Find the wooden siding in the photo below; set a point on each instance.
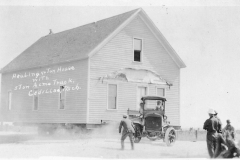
(98, 103)
(117, 54)
(22, 104)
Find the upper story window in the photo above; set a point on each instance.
(9, 100)
(62, 97)
(137, 50)
(112, 96)
(35, 99)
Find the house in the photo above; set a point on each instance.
(92, 73)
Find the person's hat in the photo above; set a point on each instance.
(124, 116)
(211, 111)
(228, 121)
(215, 112)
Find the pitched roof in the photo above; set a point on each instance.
(82, 42)
(68, 45)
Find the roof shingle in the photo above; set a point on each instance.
(68, 45)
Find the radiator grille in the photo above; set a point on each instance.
(153, 123)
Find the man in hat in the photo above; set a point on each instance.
(219, 122)
(211, 125)
(128, 131)
(159, 105)
(230, 129)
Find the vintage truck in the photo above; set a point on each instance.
(151, 122)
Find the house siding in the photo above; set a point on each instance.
(117, 54)
(48, 110)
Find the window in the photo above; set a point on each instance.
(10, 100)
(112, 96)
(62, 97)
(137, 50)
(142, 91)
(161, 92)
(35, 99)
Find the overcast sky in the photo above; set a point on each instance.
(206, 37)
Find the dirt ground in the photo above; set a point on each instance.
(22, 145)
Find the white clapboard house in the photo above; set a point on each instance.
(92, 74)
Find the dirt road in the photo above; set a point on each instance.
(30, 146)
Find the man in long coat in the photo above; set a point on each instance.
(211, 125)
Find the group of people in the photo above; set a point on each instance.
(159, 106)
(220, 142)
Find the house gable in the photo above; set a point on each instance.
(159, 36)
(118, 52)
(155, 31)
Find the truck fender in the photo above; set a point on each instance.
(165, 126)
(135, 122)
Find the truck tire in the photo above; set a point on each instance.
(170, 136)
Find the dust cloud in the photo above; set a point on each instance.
(110, 130)
(10, 133)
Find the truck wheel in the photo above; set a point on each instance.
(170, 136)
(137, 139)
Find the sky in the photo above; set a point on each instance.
(205, 34)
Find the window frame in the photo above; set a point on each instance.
(116, 98)
(9, 105)
(161, 88)
(147, 92)
(33, 100)
(141, 54)
(59, 95)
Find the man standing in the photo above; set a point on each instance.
(230, 129)
(219, 122)
(211, 125)
(128, 131)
